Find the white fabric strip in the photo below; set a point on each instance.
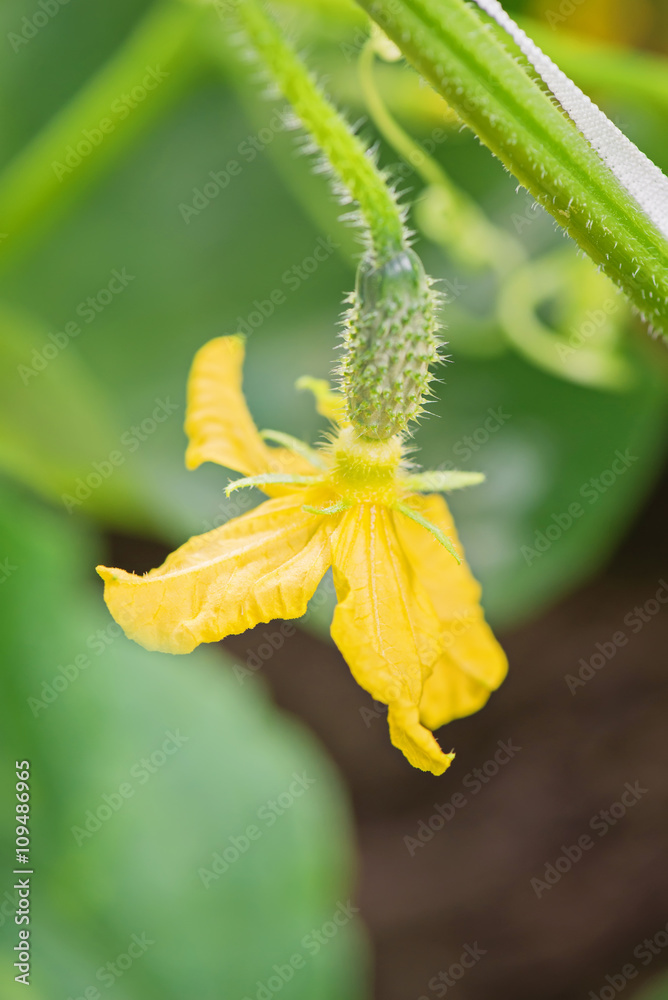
(635, 171)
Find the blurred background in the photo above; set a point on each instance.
(235, 823)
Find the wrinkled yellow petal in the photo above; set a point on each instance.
(219, 427)
(386, 627)
(473, 663)
(263, 565)
(329, 402)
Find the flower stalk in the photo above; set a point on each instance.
(346, 155)
(390, 332)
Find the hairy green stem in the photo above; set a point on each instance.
(347, 155)
(610, 68)
(479, 74)
(445, 213)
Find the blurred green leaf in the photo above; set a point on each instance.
(543, 444)
(658, 990)
(198, 758)
(110, 110)
(57, 428)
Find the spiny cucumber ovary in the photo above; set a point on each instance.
(391, 340)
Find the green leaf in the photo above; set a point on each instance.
(57, 428)
(147, 773)
(658, 988)
(544, 445)
(110, 111)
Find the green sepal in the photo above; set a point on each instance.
(443, 481)
(333, 508)
(436, 531)
(295, 445)
(270, 478)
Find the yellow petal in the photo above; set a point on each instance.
(472, 664)
(386, 627)
(263, 565)
(329, 402)
(220, 428)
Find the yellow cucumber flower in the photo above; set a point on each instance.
(408, 619)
